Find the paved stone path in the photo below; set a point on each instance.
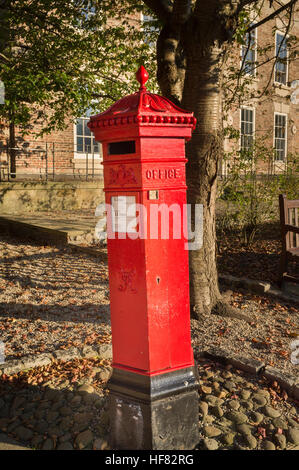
(65, 227)
(237, 411)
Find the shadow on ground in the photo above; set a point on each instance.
(48, 418)
(257, 260)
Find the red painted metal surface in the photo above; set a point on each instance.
(149, 279)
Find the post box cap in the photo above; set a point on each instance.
(142, 109)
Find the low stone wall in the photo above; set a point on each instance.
(21, 197)
(14, 366)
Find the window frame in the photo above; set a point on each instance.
(287, 60)
(77, 154)
(250, 108)
(255, 55)
(276, 160)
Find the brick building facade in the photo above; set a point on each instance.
(274, 118)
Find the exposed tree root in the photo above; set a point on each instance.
(197, 312)
(224, 309)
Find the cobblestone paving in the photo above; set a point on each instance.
(237, 411)
(240, 412)
(57, 407)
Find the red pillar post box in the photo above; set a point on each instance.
(153, 388)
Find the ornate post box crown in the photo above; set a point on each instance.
(149, 113)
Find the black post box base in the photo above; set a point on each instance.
(159, 412)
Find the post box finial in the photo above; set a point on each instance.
(142, 77)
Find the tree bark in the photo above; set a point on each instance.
(202, 94)
(190, 69)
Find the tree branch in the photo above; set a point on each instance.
(273, 15)
(4, 57)
(244, 3)
(100, 95)
(161, 8)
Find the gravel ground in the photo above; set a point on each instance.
(54, 298)
(267, 338)
(50, 299)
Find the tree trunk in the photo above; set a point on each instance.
(200, 83)
(191, 52)
(202, 94)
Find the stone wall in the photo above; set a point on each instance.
(18, 198)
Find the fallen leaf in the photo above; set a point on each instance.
(262, 432)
